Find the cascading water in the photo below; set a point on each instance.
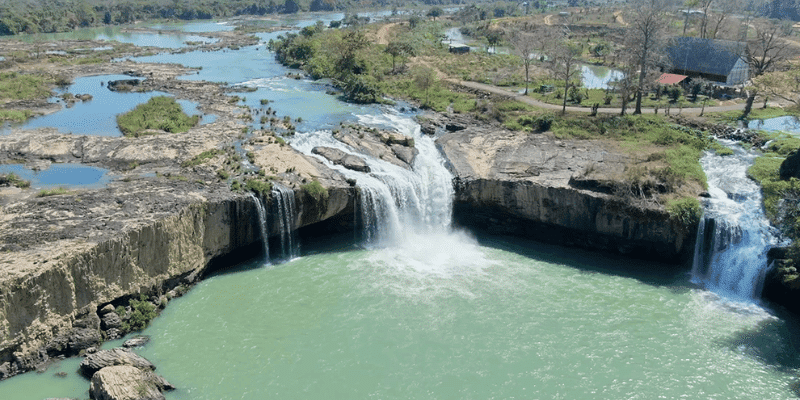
(285, 212)
(262, 219)
(395, 202)
(734, 236)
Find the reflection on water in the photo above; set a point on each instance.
(58, 175)
(786, 123)
(193, 27)
(97, 116)
(173, 40)
(599, 77)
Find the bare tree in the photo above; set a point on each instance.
(645, 40)
(705, 6)
(783, 84)
(564, 60)
(688, 4)
(769, 48)
(722, 14)
(524, 45)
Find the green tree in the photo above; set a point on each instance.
(399, 49)
(435, 12)
(425, 78)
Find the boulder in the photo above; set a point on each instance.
(90, 321)
(137, 341)
(123, 85)
(106, 309)
(83, 338)
(113, 333)
(111, 321)
(790, 167)
(339, 157)
(109, 358)
(407, 154)
(355, 163)
(124, 382)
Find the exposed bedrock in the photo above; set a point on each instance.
(539, 187)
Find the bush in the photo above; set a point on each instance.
(52, 192)
(142, 312)
(201, 158)
(685, 212)
(538, 123)
(259, 186)
(13, 180)
(159, 113)
(315, 190)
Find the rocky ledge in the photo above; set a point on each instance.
(544, 188)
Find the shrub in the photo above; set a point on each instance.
(259, 186)
(315, 190)
(201, 158)
(142, 312)
(159, 113)
(52, 192)
(685, 212)
(14, 180)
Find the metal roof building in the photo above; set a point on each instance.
(716, 60)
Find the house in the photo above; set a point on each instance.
(721, 61)
(458, 48)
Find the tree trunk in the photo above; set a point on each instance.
(564, 106)
(642, 73)
(527, 68)
(748, 106)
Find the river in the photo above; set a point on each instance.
(422, 311)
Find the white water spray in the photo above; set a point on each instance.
(262, 220)
(734, 236)
(285, 212)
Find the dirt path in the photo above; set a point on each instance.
(618, 17)
(383, 33)
(610, 110)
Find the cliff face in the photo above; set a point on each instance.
(48, 293)
(540, 187)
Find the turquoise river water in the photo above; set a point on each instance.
(455, 320)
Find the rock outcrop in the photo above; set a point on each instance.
(790, 167)
(125, 382)
(109, 358)
(339, 157)
(528, 185)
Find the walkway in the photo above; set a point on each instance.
(611, 110)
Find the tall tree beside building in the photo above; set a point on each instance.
(645, 40)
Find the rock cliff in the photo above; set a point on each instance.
(538, 186)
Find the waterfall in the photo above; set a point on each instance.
(262, 219)
(734, 236)
(285, 212)
(395, 202)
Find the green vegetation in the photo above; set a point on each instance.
(316, 191)
(201, 158)
(13, 180)
(685, 212)
(258, 186)
(142, 312)
(159, 113)
(19, 86)
(756, 113)
(15, 115)
(52, 192)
